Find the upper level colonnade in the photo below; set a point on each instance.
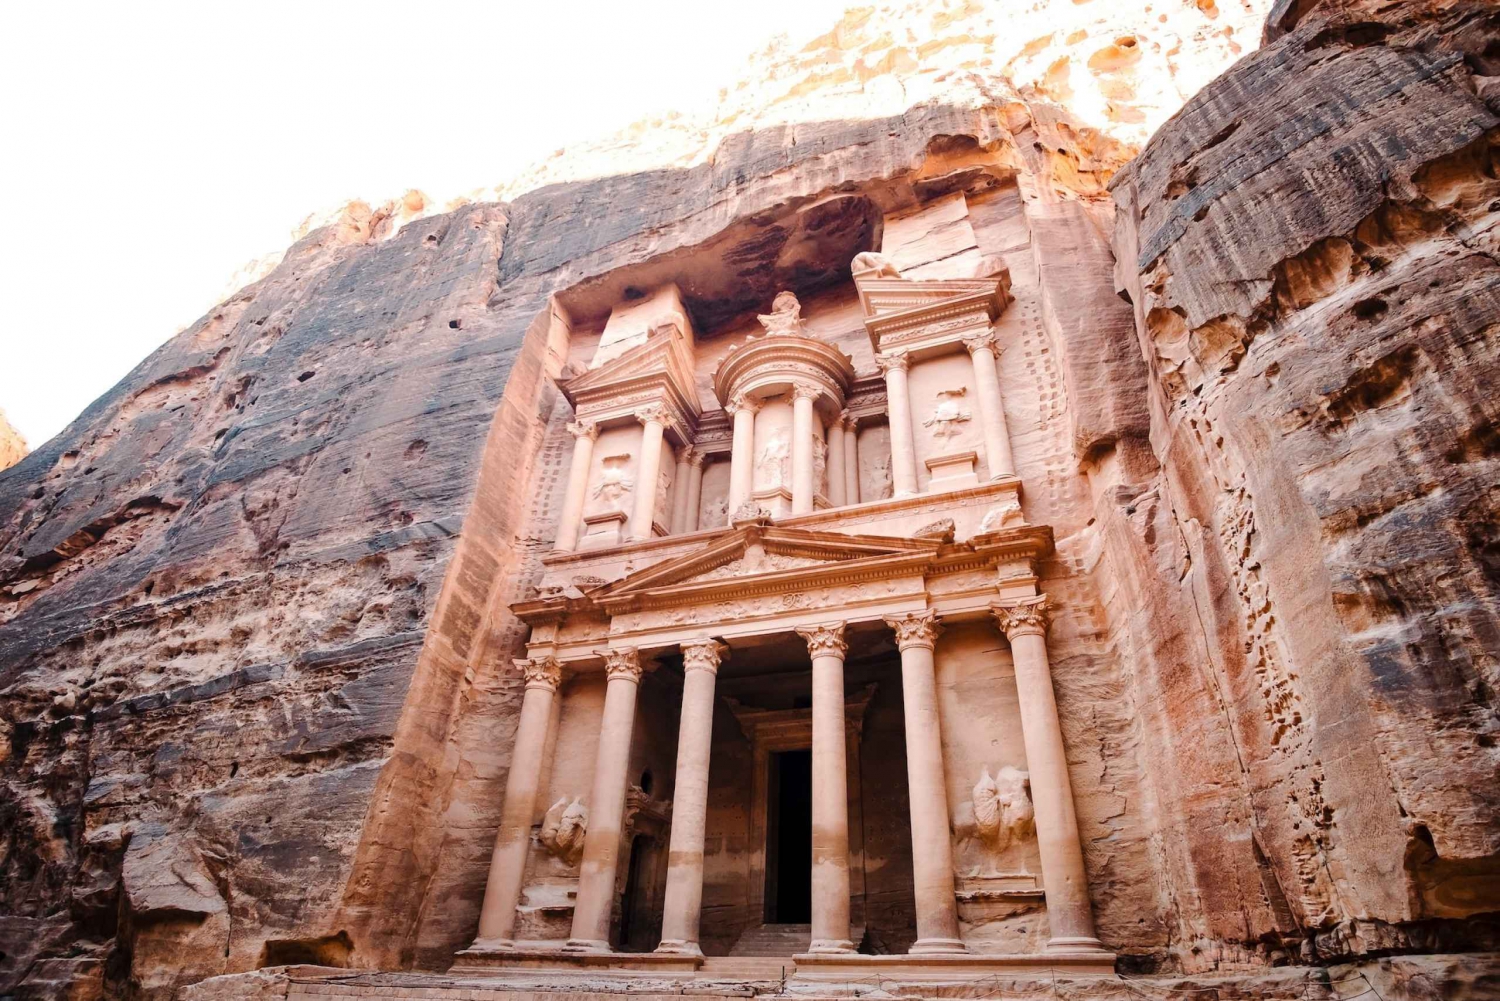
(791, 411)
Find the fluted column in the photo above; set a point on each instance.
(653, 424)
(931, 847)
(694, 490)
(502, 891)
(680, 491)
(601, 844)
(684, 895)
(585, 433)
(1063, 876)
(851, 458)
(802, 448)
(742, 453)
(983, 352)
(836, 462)
(898, 406)
(830, 791)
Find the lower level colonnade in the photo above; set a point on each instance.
(1022, 622)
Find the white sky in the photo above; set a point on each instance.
(152, 149)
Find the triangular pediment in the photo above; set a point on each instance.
(662, 360)
(761, 554)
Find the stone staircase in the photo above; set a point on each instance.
(746, 968)
(779, 941)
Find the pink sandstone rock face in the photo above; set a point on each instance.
(12, 445)
(254, 602)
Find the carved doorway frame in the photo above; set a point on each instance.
(771, 731)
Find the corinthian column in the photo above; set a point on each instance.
(1063, 877)
(601, 844)
(680, 491)
(830, 791)
(742, 452)
(653, 424)
(851, 458)
(497, 918)
(684, 895)
(898, 407)
(802, 448)
(585, 433)
(836, 462)
(694, 490)
(991, 408)
(931, 848)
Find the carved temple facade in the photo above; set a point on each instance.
(787, 673)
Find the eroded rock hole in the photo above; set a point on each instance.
(306, 375)
(1369, 309)
(455, 324)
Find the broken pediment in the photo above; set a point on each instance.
(906, 315)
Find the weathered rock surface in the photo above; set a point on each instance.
(253, 601)
(1312, 589)
(12, 445)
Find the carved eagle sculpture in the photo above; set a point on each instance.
(563, 829)
(1002, 809)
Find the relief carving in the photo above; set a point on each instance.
(1006, 515)
(773, 464)
(871, 261)
(1002, 808)
(615, 482)
(563, 829)
(948, 413)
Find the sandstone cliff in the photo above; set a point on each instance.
(12, 445)
(253, 601)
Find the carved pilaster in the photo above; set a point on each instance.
(541, 672)
(622, 663)
(703, 655)
(826, 640)
(1026, 618)
(915, 629)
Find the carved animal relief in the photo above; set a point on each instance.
(563, 829)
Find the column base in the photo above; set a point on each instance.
(677, 947)
(586, 945)
(937, 946)
(1074, 943)
(493, 945)
(830, 947)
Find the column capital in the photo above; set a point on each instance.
(915, 629)
(848, 421)
(540, 672)
(742, 402)
(584, 429)
(622, 663)
(826, 640)
(806, 391)
(703, 655)
(696, 457)
(1028, 617)
(898, 361)
(652, 412)
(981, 341)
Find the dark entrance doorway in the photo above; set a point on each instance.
(789, 838)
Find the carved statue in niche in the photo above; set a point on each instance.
(773, 465)
(716, 512)
(820, 459)
(563, 829)
(615, 482)
(663, 488)
(1002, 808)
(948, 413)
(785, 317)
(882, 470)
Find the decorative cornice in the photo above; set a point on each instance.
(703, 655)
(915, 629)
(541, 672)
(622, 663)
(1027, 617)
(584, 429)
(896, 360)
(826, 640)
